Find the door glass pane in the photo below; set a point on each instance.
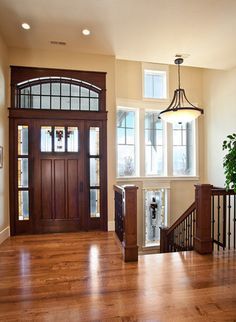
(45, 89)
(23, 180)
(84, 92)
(56, 89)
(65, 89)
(94, 203)
(59, 139)
(84, 104)
(56, 102)
(25, 101)
(93, 104)
(35, 101)
(75, 103)
(35, 89)
(72, 139)
(46, 139)
(65, 103)
(22, 139)
(45, 102)
(94, 141)
(74, 90)
(94, 172)
(23, 205)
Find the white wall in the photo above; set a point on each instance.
(219, 96)
(4, 185)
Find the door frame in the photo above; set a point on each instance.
(18, 115)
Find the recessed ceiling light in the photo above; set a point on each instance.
(25, 26)
(86, 32)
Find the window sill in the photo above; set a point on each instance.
(158, 178)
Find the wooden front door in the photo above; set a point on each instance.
(59, 177)
(58, 151)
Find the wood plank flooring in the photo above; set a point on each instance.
(81, 277)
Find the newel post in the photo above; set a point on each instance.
(163, 240)
(130, 248)
(202, 240)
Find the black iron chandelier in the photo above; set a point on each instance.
(180, 109)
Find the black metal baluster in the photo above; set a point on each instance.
(213, 218)
(229, 219)
(234, 218)
(218, 223)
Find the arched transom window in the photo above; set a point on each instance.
(57, 93)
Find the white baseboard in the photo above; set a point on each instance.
(111, 225)
(4, 234)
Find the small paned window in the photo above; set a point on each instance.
(58, 93)
(59, 139)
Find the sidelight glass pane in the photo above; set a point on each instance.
(22, 140)
(23, 178)
(72, 139)
(94, 203)
(46, 139)
(94, 172)
(94, 141)
(23, 205)
(59, 139)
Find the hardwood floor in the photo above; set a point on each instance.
(81, 277)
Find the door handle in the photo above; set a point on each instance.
(81, 186)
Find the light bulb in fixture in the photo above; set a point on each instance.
(86, 32)
(25, 26)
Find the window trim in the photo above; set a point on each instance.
(155, 68)
(141, 108)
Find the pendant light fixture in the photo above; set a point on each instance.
(180, 109)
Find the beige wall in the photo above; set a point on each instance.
(4, 186)
(220, 101)
(73, 60)
(129, 87)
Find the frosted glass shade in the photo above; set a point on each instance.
(180, 115)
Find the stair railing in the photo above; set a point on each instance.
(126, 220)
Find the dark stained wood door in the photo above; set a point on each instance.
(59, 178)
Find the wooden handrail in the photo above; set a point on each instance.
(127, 217)
(168, 235)
(182, 218)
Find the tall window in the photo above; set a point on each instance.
(164, 150)
(183, 149)
(154, 150)
(126, 142)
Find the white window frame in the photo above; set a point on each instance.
(141, 107)
(136, 142)
(155, 68)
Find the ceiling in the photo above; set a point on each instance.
(144, 30)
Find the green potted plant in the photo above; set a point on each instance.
(229, 162)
